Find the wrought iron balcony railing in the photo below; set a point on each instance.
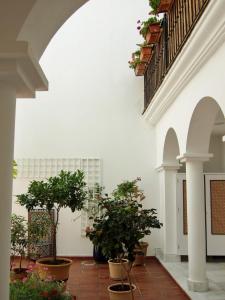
(177, 26)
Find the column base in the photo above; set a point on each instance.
(198, 286)
(166, 257)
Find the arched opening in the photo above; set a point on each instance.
(171, 147)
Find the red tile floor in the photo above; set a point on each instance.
(89, 281)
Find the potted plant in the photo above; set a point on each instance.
(136, 64)
(19, 242)
(95, 195)
(32, 287)
(65, 190)
(159, 6)
(150, 30)
(119, 229)
(22, 236)
(146, 52)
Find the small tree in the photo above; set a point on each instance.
(19, 238)
(123, 223)
(65, 190)
(23, 235)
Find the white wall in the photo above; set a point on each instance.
(93, 107)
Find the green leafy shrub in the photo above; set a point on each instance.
(33, 288)
(65, 190)
(123, 222)
(145, 25)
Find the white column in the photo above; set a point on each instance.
(197, 279)
(20, 76)
(7, 122)
(168, 211)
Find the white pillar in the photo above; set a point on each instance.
(197, 279)
(7, 121)
(168, 210)
(20, 76)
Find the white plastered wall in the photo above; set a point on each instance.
(93, 107)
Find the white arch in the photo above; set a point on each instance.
(34, 21)
(201, 125)
(171, 147)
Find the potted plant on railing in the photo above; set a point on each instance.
(118, 230)
(150, 30)
(65, 190)
(136, 64)
(159, 6)
(146, 52)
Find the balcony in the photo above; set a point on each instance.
(177, 25)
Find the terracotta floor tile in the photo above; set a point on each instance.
(89, 281)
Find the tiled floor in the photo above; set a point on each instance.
(89, 281)
(215, 274)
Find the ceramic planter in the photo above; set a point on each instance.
(117, 270)
(98, 256)
(116, 292)
(146, 54)
(140, 254)
(140, 69)
(153, 34)
(58, 271)
(164, 6)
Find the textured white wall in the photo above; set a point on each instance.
(93, 107)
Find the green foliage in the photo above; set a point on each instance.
(95, 195)
(65, 190)
(154, 5)
(36, 289)
(19, 234)
(135, 59)
(145, 25)
(123, 222)
(23, 235)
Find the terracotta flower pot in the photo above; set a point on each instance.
(117, 270)
(146, 54)
(153, 34)
(140, 254)
(59, 271)
(116, 291)
(164, 6)
(140, 69)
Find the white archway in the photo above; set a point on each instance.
(168, 205)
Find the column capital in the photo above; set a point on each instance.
(168, 167)
(194, 157)
(18, 67)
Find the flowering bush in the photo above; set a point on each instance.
(33, 288)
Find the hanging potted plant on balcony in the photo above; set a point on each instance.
(150, 30)
(146, 52)
(159, 6)
(65, 190)
(136, 64)
(118, 230)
